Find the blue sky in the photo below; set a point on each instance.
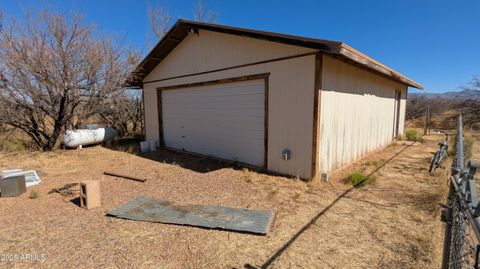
(435, 42)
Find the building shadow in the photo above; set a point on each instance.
(199, 164)
(75, 201)
(195, 162)
(312, 221)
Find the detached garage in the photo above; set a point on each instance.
(292, 105)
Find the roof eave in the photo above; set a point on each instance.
(139, 71)
(356, 56)
(180, 29)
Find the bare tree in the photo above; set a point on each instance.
(54, 73)
(416, 107)
(124, 111)
(202, 13)
(135, 112)
(1, 20)
(159, 19)
(470, 108)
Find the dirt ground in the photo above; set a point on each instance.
(391, 223)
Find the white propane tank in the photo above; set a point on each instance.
(82, 137)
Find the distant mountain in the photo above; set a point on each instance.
(460, 95)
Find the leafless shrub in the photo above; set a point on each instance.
(417, 106)
(202, 13)
(55, 73)
(466, 102)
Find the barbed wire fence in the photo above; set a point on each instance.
(462, 212)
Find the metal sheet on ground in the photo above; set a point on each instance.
(31, 176)
(145, 208)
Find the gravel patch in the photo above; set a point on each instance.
(392, 222)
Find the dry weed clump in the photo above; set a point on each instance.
(248, 176)
(310, 188)
(297, 196)
(273, 194)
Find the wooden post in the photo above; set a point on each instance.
(429, 113)
(426, 127)
(429, 118)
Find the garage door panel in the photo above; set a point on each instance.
(235, 88)
(212, 107)
(225, 120)
(195, 133)
(252, 102)
(211, 92)
(204, 137)
(227, 151)
(220, 147)
(209, 95)
(214, 114)
(243, 123)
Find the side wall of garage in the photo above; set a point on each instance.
(357, 112)
(290, 87)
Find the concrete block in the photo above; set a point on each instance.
(90, 196)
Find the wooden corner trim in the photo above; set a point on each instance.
(214, 82)
(316, 113)
(161, 142)
(265, 128)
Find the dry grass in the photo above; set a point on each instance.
(392, 223)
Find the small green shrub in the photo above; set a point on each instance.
(358, 179)
(34, 194)
(399, 137)
(11, 145)
(411, 135)
(130, 150)
(467, 146)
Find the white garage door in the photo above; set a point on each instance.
(222, 120)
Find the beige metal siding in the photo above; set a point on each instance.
(403, 106)
(212, 51)
(356, 113)
(223, 120)
(291, 84)
(151, 112)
